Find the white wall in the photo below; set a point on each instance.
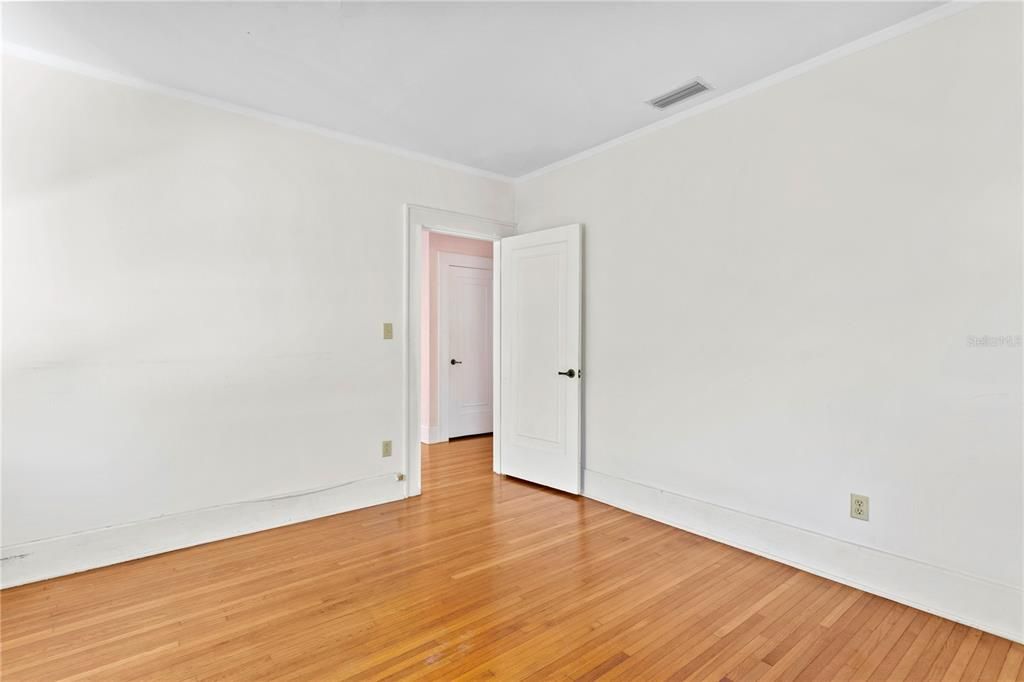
(779, 295)
(192, 305)
(433, 244)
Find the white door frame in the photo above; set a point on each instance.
(416, 219)
(441, 354)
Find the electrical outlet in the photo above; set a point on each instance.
(389, 332)
(385, 449)
(859, 507)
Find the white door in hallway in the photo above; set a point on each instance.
(466, 330)
(541, 311)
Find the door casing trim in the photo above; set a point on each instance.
(416, 219)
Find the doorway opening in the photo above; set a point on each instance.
(535, 345)
(456, 348)
(467, 241)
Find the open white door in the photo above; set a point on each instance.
(541, 304)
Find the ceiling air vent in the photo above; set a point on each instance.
(678, 95)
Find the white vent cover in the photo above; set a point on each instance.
(679, 94)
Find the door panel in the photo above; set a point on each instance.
(540, 336)
(469, 329)
(540, 394)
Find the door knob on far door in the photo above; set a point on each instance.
(456, 362)
(571, 374)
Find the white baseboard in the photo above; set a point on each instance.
(431, 434)
(974, 601)
(33, 561)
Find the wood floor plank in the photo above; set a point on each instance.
(963, 655)
(1012, 664)
(979, 659)
(482, 576)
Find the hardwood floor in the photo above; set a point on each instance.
(481, 576)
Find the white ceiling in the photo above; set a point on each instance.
(503, 87)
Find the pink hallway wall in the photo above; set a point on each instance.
(433, 243)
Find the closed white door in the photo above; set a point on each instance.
(466, 328)
(541, 310)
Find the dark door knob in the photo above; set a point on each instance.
(456, 362)
(571, 373)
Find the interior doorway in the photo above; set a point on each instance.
(536, 347)
(457, 319)
(425, 224)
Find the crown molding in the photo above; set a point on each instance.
(915, 22)
(943, 11)
(83, 69)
